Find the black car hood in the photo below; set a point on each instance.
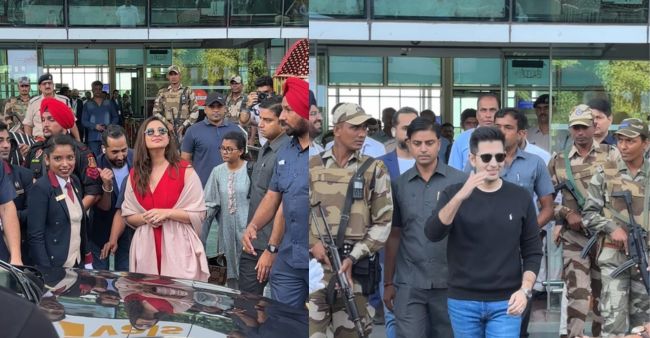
(83, 303)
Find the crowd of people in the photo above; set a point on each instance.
(74, 191)
(462, 227)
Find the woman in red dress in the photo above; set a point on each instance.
(164, 202)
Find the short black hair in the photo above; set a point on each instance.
(422, 124)
(264, 81)
(487, 95)
(522, 120)
(403, 110)
(59, 140)
(113, 131)
(3, 126)
(447, 124)
(97, 83)
(602, 105)
(467, 113)
(240, 140)
(429, 114)
(274, 104)
(485, 134)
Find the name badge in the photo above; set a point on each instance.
(60, 198)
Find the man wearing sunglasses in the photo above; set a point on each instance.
(574, 167)
(493, 247)
(16, 107)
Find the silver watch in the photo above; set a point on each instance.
(528, 292)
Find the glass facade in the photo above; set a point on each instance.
(154, 13)
(448, 85)
(116, 13)
(559, 11)
(582, 11)
(49, 13)
(138, 72)
(492, 10)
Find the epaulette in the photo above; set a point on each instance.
(35, 98)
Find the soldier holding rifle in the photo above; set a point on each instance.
(616, 190)
(355, 193)
(571, 170)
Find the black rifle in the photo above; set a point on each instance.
(335, 259)
(636, 242)
(593, 238)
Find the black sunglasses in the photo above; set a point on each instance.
(486, 158)
(161, 131)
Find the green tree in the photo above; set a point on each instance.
(628, 83)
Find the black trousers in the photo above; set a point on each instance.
(248, 275)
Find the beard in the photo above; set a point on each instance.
(300, 130)
(402, 145)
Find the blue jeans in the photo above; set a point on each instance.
(482, 319)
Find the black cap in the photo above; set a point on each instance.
(45, 77)
(215, 98)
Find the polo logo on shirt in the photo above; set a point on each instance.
(281, 162)
(510, 216)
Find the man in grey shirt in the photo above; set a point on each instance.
(415, 275)
(254, 269)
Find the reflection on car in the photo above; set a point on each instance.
(84, 303)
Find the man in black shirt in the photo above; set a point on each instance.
(492, 229)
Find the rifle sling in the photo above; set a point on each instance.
(347, 206)
(580, 199)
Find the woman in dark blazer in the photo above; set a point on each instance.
(56, 219)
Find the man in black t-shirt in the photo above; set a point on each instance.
(491, 226)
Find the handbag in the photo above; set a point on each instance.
(218, 266)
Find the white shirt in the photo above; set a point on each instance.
(371, 147)
(127, 15)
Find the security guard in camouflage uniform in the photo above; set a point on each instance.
(57, 118)
(574, 167)
(369, 223)
(16, 107)
(176, 104)
(624, 299)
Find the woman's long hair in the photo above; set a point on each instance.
(142, 159)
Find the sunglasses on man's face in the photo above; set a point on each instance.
(161, 131)
(486, 158)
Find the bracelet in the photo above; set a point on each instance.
(106, 190)
(254, 226)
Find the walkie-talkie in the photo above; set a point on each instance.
(357, 187)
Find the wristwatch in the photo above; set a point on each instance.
(528, 292)
(272, 248)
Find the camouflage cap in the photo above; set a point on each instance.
(351, 113)
(173, 68)
(632, 128)
(23, 81)
(235, 79)
(581, 115)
